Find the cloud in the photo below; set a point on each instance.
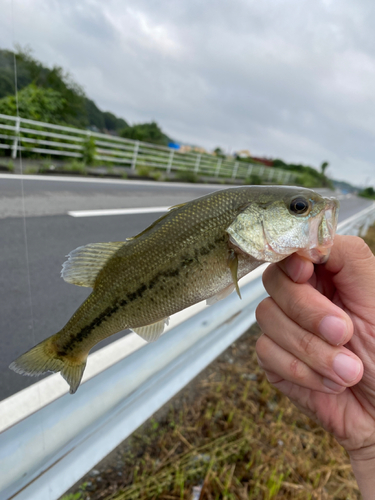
(286, 79)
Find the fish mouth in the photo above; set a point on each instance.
(322, 231)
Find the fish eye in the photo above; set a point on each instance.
(299, 206)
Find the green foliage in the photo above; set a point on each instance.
(10, 166)
(73, 496)
(35, 103)
(368, 192)
(147, 132)
(94, 115)
(187, 176)
(324, 166)
(308, 176)
(143, 170)
(219, 152)
(253, 179)
(74, 108)
(76, 166)
(111, 122)
(89, 151)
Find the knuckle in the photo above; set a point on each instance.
(296, 369)
(307, 344)
(297, 306)
(261, 347)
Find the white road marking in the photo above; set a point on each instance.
(117, 211)
(61, 178)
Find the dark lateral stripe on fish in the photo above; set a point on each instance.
(85, 332)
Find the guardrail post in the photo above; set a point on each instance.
(196, 168)
(135, 155)
(15, 143)
(218, 166)
(235, 168)
(170, 161)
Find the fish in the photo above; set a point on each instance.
(197, 251)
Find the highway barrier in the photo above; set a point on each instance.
(48, 140)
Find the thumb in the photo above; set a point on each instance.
(353, 265)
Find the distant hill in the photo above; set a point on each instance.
(68, 102)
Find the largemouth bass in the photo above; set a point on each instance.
(198, 250)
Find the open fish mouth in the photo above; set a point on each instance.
(322, 231)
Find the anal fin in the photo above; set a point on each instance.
(152, 332)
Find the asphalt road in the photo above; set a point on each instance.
(35, 304)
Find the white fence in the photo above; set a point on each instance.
(45, 139)
(50, 439)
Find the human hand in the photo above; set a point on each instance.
(318, 344)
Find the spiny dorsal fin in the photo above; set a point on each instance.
(152, 332)
(175, 207)
(84, 263)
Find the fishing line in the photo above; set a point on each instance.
(17, 145)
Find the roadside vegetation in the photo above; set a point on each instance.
(51, 95)
(227, 435)
(368, 192)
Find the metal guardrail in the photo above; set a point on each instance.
(54, 140)
(50, 439)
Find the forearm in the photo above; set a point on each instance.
(364, 471)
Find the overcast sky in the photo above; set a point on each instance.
(293, 79)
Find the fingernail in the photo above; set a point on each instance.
(346, 367)
(332, 385)
(333, 329)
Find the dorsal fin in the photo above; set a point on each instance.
(84, 263)
(175, 207)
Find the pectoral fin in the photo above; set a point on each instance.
(152, 332)
(233, 266)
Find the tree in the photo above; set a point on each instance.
(324, 167)
(76, 109)
(219, 152)
(147, 132)
(35, 103)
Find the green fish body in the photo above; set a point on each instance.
(198, 250)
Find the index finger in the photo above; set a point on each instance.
(307, 307)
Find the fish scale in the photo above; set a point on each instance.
(198, 250)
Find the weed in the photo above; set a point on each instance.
(187, 176)
(76, 166)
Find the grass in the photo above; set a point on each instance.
(239, 438)
(228, 435)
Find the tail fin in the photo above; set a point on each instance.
(43, 358)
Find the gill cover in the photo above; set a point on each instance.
(269, 233)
